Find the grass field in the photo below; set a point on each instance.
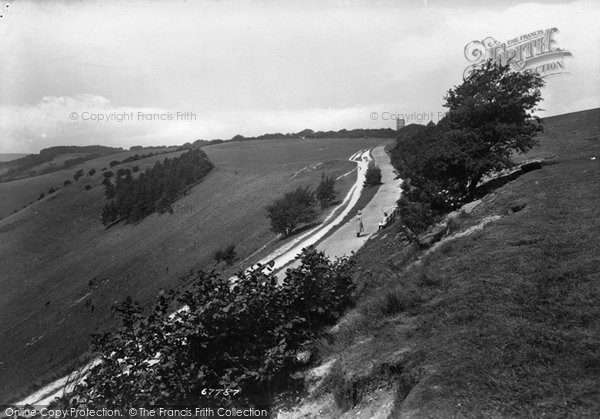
(10, 156)
(62, 271)
(16, 194)
(499, 323)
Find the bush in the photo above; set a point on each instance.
(226, 254)
(91, 172)
(415, 217)
(114, 163)
(292, 209)
(78, 174)
(135, 169)
(325, 192)
(51, 190)
(373, 175)
(41, 196)
(123, 173)
(107, 174)
(131, 158)
(87, 187)
(66, 183)
(109, 190)
(241, 335)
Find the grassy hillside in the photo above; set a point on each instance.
(10, 156)
(51, 159)
(501, 322)
(16, 194)
(62, 271)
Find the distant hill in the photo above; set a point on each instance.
(4, 157)
(35, 164)
(307, 133)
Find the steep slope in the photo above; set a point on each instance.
(499, 321)
(61, 272)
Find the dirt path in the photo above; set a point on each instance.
(286, 254)
(344, 241)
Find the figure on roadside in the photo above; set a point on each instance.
(383, 221)
(359, 224)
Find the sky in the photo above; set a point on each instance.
(123, 73)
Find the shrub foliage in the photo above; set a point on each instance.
(241, 334)
(373, 175)
(325, 192)
(294, 208)
(226, 254)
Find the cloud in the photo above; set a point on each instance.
(258, 67)
(82, 120)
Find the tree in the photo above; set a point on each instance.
(51, 190)
(226, 254)
(113, 163)
(292, 209)
(109, 214)
(91, 172)
(373, 175)
(66, 182)
(87, 187)
(325, 192)
(164, 204)
(490, 117)
(109, 189)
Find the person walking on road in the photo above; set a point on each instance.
(359, 224)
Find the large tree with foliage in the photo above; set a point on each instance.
(490, 117)
(291, 210)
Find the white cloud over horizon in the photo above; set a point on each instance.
(257, 67)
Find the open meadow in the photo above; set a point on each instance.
(62, 271)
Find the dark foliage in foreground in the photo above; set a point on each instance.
(155, 189)
(237, 334)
